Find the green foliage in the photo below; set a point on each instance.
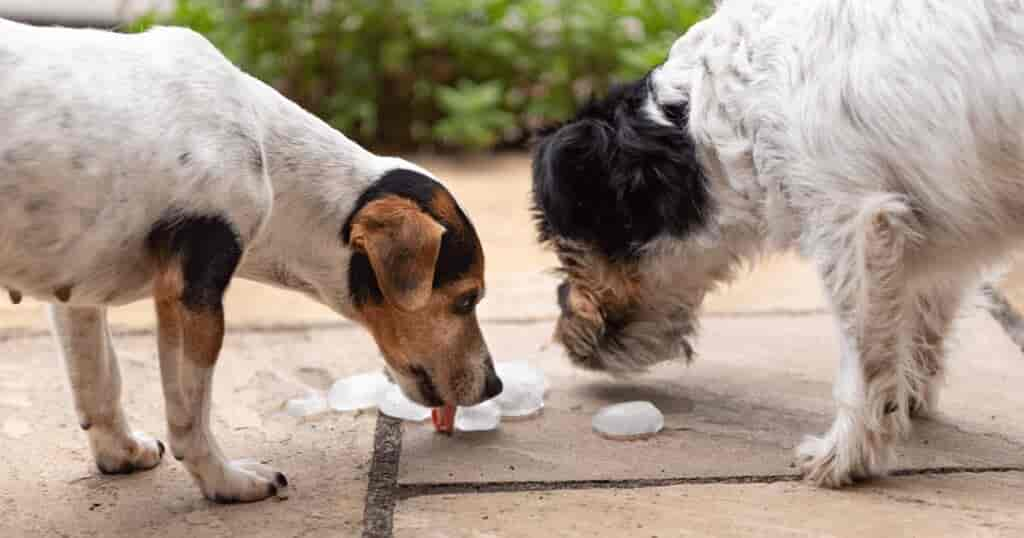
(467, 74)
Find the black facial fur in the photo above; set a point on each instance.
(614, 178)
(458, 245)
(208, 249)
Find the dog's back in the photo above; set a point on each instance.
(919, 97)
(104, 134)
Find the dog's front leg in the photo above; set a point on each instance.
(190, 318)
(84, 342)
(863, 266)
(933, 314)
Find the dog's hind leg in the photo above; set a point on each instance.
(198, 258)
(863, 266)
(84, 342)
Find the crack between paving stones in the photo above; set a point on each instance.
(409, 491)
(382, 486)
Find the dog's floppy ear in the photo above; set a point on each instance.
(402, 243)
(617, 177)
(571, 176)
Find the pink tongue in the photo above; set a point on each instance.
(444, 418)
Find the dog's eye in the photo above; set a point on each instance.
(466, 302)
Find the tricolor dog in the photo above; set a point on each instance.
(148, 165)
(883, 139)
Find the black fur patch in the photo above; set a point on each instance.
(615, 179)
(208, 249)
(459, 244)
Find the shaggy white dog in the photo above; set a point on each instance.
(881, 138)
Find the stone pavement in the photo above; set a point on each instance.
(722, 467)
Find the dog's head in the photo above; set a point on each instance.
(615, 191)
(416, 275)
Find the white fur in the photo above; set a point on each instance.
(884, 139)
(104, 134)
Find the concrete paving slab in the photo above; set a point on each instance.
(759, 385)
(981, 505)
(49, 487)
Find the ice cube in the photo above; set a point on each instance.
(523, 395)
(478, 418)
(395, 404)
(521, 373)
(361, 391)
(519, 400)
(629, 420)
(314, 403)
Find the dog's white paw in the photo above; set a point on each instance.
(120, 454)
(836, 461)
(241, 481)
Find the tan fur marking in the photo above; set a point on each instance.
(200, 332)
(432, 337)
(402, 243)
(204, 336)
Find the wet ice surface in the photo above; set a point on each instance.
(521, 373)
(525, 386)
(478, 418)
(522, 398)
(395, 404)
(363, 391)
(629, 420)
(314, 403)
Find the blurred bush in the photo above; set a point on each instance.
(402, 75)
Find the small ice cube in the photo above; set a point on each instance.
(313, 404)
(395, 404)
(521, 373)
(519, 400)
(478, 418)
(630, 420)
(361, 391)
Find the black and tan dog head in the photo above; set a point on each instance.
(610, 187)
(416, 276)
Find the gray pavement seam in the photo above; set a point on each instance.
(408, 491)
(382, 486)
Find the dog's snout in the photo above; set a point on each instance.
(563, 298)
(427, 388)
(492, 385)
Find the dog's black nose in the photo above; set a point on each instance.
(492, 386)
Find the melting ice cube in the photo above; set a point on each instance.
(523, 395)
(361, 391)
(395, 404)
(629, 420)
(478, 418)
(521, 373)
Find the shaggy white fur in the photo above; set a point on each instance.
(884, 140)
